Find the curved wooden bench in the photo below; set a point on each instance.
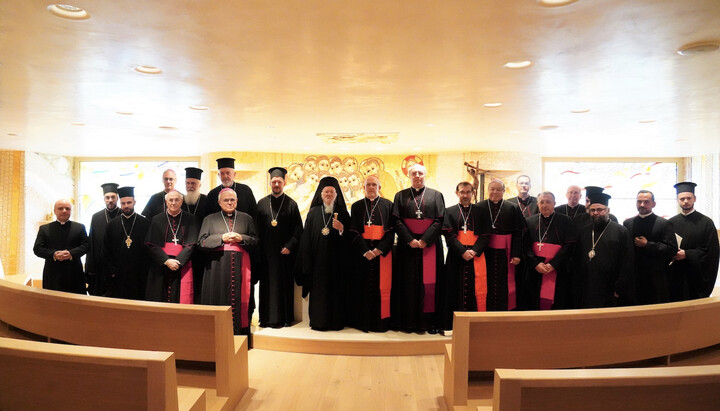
(193, 333)
(574, 338)
(36, 375)
(653, 389)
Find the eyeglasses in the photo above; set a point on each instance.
(229, 200)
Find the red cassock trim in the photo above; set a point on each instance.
(244, 282)
(428, 255)
(186, 274)
(503, 242)
(547, 287)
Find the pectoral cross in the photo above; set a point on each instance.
(369, 223)
(175, 240)
(418, 214)
(464, 227)
(128, 241)
(540, 246)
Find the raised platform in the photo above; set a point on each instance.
(301, 339)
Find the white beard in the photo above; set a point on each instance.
(191, 198)
(329, 208)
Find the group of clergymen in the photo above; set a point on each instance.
(522, 253)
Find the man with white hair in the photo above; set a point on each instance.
(61, 244)
(417, 297)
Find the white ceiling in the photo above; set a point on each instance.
(276, 73)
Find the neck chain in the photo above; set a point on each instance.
(591, 254)
(107, 216)
(494, 220)
(418, 211)
(174, 232)
(520, 204)
(128, 240)
(542, 238)
(325, 230)
(273, 219)
(226, 224)
(196, 207)
(567, 211)
(465, 218)
(372, 210)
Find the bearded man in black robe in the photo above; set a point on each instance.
(227, 238)
(279, 227)
(126, 256)
(695, 267)
(245, 197)
(322, 257)
(195, 203)
(170, 241)
(95, 262)
(417, 298)
(372, 238)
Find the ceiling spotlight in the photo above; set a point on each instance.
(167, 128)
(648, 121)
(67, 11)
(148, 70)
(518, 64)
(700, 47)
(555, 3)
(548, 127)
(492, 105)
(199, 107)
(580, 110)
(78, 124)
(12, 134)
(124, 113)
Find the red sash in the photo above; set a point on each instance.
(376, 232)
(547, 287)
(186, 274)
(418, 227)
(503, 242)
(244, 283)
(468, 238)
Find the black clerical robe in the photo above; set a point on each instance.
(155, 205)
(228, 275)
(62, 275)
(370, 285)
(651, 262)
(551, 240)
(417, 297)
(164, 284)
(127, 261)
(274, 270)
(527, 207)
(320, 268)
(198, 256)
(503, 225)
(245, 199)
(462, 233)
(572, 212)
(694, 277)
(610, 271)
(96, 273)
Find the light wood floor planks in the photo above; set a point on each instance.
(292, 381)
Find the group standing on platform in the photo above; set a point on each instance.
(382, 266)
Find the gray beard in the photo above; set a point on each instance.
(191, 198)
(328, 208)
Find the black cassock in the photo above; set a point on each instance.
(651, 262)
(95, 261)
(62, 275)
(527, 208)
(272, 269)
(198, 256)
(155, 205)
(610, 271)
(127, 261)
(417, 297)
(461, 231)
(694, 277)
(320, 268)
(245, 199)
(572, 212)
(228, 278)
(504, 243)
(560, 234)
(163, 284)
(369, 298)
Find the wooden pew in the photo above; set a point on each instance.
(668, 388)
(36, 375)
(194, 333)
(574, 338)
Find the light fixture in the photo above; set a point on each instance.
(555, 3)
(124, 113)
(580, 110)
(147, 69)
(548, 127)
(647, 121)
(493, 105)
(700, 47)
(518, 64)
(167, 128)
(67, 11)
(200, 108)
(78, 124)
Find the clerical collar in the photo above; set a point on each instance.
(128, 216)
(61, 222)
(229, 215)
(687, 214)
(372, 200)
(644, 215)
(277, 196)
(176, 215)
(418, 190)
(524, 201)
(464, 206)
(548, 217)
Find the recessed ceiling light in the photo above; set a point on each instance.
(518, 64)
(646, 121)
(12, 134)
(78, 124)
(492, 105)
(555, 3)
(67, 11)
(199, 107)
(548, 127)
(124, 113)
(168, 128)
(700, 47)
(148, 70)
(580, 110)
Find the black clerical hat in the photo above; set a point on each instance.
(226, 162)
(109, 188)
(329, 181)
(193, 172)
(126, 192)
(599, 198)
(277, 172)
(685, 187)
(593, 189)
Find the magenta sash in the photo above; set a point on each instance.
(429, 274)
(244, 283)
(503, 242)
(186, 274)
(547, 287)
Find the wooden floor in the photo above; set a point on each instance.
(294, 381)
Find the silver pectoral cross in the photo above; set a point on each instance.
(540, 246)
(369, 222)
(464, 227)
(175, 240)
(418, 214)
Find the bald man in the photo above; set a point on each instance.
(61, 244)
